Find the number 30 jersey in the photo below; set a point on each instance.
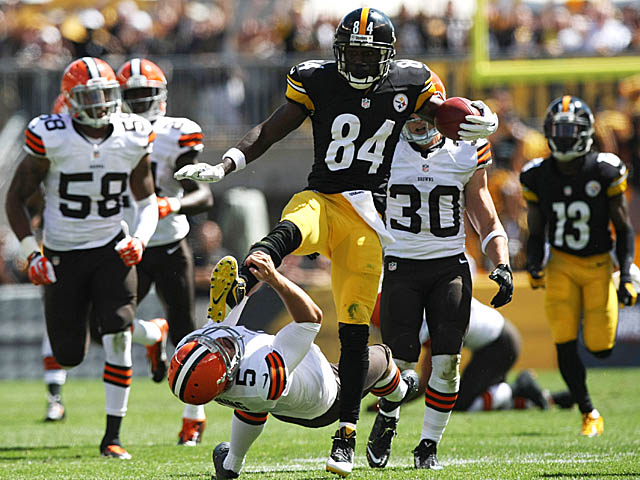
(576, 207)
(425, 198)
(356, 131)
(85, 182)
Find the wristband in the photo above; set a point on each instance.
(495, 233)
(237, 156)
(29, 245)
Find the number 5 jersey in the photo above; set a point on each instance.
(87, 177)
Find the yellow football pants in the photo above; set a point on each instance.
(581, 287)
(331, 227)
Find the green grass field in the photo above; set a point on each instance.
(498, 445)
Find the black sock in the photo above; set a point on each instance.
(352, 369)
(54, 389)
(280, 242)
(574, 374)
(112, 435)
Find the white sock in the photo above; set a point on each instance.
(194, 412)
(117, 372)
(382, 386)
(145, 333)
(440, 395)
(497, 397)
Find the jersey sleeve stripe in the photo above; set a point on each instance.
(251, 418)
(152, 137)
(483, 149)
(34, 142)
(485, 159)
(529, 196)
(296, 93)
(277, 375)
(190, 140)
(618, 186)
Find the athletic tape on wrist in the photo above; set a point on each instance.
(237, 156)
(29, 245)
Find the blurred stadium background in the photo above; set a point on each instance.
(226, 62)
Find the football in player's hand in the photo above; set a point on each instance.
(451, 113)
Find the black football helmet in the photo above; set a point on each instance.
(568, 126)
(363, 47)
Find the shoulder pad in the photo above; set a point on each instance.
(139, 129)
(45, 131)
(296, 78)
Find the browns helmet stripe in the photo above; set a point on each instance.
(92, 67)
(364, 17)
(566, 101)
(251, 418)
(136, 67)
(181, 380)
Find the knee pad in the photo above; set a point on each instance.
(602, 353)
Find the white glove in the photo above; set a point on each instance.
(40, 270)
(479, 126)
(130, 250)
(201, 172)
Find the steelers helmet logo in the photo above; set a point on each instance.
(592, 188)
(400, 102)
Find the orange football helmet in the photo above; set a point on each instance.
(430, 131)
(92, 91)
(205, 365)
(60, 104)
(144, 88)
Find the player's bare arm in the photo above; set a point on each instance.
(535, 245)
(141, 181)
(26, 181)
(625, 247)
(197, 196)
(300, 305)
(484, 217)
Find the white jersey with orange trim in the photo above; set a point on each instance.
(425, 198)
(174, 138)
(265, 382)
(84, 186)
(485, 326)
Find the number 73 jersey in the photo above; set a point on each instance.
(425, 198)
(85, 182)
(576, 206)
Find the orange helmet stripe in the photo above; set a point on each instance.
(566, 100)
(364, 16)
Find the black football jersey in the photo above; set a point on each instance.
(576, 207)
(355, 131)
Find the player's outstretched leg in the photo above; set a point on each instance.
(219, 454)
(226, 290)
(386, 423)
(157, 352)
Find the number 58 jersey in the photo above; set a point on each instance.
(425, 198)
(86, 178)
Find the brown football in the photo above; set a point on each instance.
(451, 113)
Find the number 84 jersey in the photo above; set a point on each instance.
(85, 182)
(425, 198)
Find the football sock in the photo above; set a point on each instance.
(54, 389)
(440, 395)
(391, 387)
(280, 242)
(117, 372)
(242, 437)
(145, 333)
(112, 434)
(352, 369)
(574, 374)
(194, 412)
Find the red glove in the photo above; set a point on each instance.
(167, 205)
(130, 250)
(40, 270)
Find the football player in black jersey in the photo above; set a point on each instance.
(572, 195)
(358, 105)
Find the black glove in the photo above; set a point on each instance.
(627, 294)
(503, 276)
(536, 276)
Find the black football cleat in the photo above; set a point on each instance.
(340, 460)
(424, 455)
(219, 454)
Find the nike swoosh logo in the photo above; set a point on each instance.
(375, 459)
(172, 249)
(216, 300)
(462, 260)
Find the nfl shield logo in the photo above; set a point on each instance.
(366, 103)
(425, 168)
(392, 266)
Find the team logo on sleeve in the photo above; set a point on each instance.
(400, 102)
(593, 188)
